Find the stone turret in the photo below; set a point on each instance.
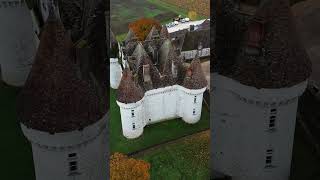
(19, 42)
(60, 113)
(256, 90)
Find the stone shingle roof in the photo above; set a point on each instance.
(283, 61)
(164, 32)
(162, 72)
(154, 73)
(128, 91)
(54, 98)
(192, 39)
(154, 33)
(195, 78)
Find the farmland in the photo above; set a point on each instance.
(123, 12)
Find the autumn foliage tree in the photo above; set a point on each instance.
(142, 27)
(192, 15)
(124, 168)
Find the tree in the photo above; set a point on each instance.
(142, 27)
(192, 15)
(124, 168)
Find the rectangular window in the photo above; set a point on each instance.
(194, 111)
(132, 113)
(133, 126)
(73, 166)
(195, 99)
(269, 158)
(272, 119)
(71, 155)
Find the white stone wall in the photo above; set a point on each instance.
(115, 73)
(44, 8)
(127, 119)
(51, 153)
(18, 43)
(159, 105)
(192, 53)
(241, 133)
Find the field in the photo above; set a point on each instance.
(202, 7)
(187, 158)
(123, 12)
(153, 134)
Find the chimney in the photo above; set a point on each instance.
(174, 70)
(146, 73)
(192, 27)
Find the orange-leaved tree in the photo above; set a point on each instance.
(142, 27)
(124, 168)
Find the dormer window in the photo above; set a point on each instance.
(255, 34)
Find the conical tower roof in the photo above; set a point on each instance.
(130, 36)
(153, 33)
(195, 78)
(54, 99)
(128, 91)
(139, 52)
(164, 32)
(284, 61)
(154, 73)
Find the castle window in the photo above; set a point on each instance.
(132, 113)
(195, 99)
(272, 119)
(133, 126)
(194, 111)
(73, 166)
(72, 155)
(269, 158)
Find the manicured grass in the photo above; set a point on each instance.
(153, 134)
(16, 154)
(185, 159)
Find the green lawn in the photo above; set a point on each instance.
(17, 162)
(153, 134)
(186, 159)
(123, 12)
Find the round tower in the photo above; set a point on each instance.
(255, 94)
(62, 115)
(18, 41)
(115, 67)
(194, 85)
(130, 100)
(115, 73)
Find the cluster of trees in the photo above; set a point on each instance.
(124, 168)
(142, 27)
